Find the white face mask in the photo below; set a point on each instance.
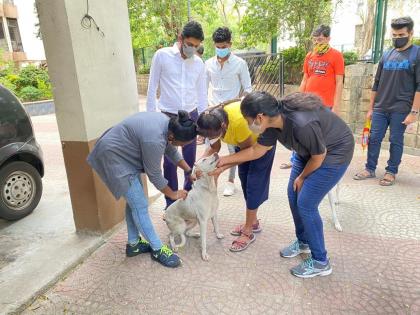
(213, 141)
(255, 128)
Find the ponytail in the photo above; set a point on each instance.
(182, 127)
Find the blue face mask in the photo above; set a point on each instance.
(222, 52)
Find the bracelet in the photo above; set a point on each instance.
(188, 172)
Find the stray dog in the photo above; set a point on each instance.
(333, 199)
(200, 205)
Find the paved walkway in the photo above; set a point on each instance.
(375, 261)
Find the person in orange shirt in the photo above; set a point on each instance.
(323, 72)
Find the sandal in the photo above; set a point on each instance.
(364, 175)
(387, 181)
(239, 245)
(285, 166)
(237, 231)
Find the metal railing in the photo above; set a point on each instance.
(267, 72)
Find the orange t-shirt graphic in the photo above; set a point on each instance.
(321, 71)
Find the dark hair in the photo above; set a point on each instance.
(182, 127)
(222, 34)
(264, 103)
(324, 30)
(200, 50)
(210, 122)
(402, 22)
(193, 29)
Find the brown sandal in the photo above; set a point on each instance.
(239, 245)
(386, 181)
(256, 228)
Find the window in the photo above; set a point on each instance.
(14, 34)
(3, 42)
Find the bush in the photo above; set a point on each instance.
(30, 83)
(144, 69)
(293, 64)
(350, 58)
(30, 93)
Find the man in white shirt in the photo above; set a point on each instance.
(227, 77)
(180, 75)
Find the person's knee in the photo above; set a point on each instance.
(396, 138)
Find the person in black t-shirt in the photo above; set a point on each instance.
(324, 147)
(394, 101)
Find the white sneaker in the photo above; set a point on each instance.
(229, 189)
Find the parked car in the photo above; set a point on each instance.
(21, 163)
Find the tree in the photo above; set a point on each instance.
(297, 19)
(367, 17)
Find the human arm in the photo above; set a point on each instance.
(338, 93)
(312, 165)
(412, 116)
(154, 78)
(302, 86)
(374, 89)
(245, 78)
(202, 90)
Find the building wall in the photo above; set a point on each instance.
(27, 20)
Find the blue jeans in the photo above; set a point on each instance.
(380, 123)
(304, 205)
(189, 152)
(137, 216)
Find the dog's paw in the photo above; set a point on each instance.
(195, 235)
(220, 236)
(205, 256)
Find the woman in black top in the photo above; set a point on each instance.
(324, 148)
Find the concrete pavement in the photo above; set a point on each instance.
(376, 268)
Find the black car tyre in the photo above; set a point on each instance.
(20, 190)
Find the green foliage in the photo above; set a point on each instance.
(350, 58)
(30, 83)
(416, 41)
(289, 19)
(293, 64)
(30, 93)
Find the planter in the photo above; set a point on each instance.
(40, 107)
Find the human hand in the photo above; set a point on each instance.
(180, 194)
(369, 114)
(409, 119)
(298, 183)
(222, 162)
(216, 172)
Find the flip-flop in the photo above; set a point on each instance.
(361, 176)
(387, 182)
(242, 244)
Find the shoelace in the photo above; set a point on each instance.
(166, 250)
(308, 263)
(144, 242)
(294, 246)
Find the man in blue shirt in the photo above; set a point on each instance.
(395, 100)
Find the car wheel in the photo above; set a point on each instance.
(20, 190)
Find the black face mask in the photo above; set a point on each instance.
(400, 42)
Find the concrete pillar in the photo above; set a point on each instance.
(94, 85)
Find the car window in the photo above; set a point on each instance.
(14, 122)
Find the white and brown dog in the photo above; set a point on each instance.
(200, 205)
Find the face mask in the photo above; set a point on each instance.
(321, 48)
(255, 128)
(188, 51)
(400, 42)
(213, 141)
(222, 52)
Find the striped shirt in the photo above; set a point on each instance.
(136, 145)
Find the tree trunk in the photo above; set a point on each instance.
(367, 28)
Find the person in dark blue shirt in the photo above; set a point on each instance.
(395, 100)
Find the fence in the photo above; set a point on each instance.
(267, 72)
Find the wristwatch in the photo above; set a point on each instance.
(414, 112)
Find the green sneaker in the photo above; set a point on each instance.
(142, 246)
(166, 257)
(295, 249)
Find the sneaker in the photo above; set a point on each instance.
(166, 257)
(310, 268)
(229, 189)
(142, 246)
(294, 249)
